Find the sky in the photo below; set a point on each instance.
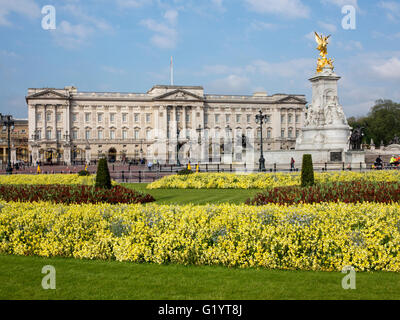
(226, 46)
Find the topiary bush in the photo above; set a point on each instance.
(103, 179)
(307, 171)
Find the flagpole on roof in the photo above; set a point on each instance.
(172, 71)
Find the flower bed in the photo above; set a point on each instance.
(70, 194)
(264, 180)
(303, 237)
(47, 179)
(347, 192)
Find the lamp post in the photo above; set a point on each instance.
(261, 119)
(199, 129)
(8, 124)
(178, 132)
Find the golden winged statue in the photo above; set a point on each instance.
(323, 51)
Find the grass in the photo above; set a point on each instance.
(194, 196)
(21, 278)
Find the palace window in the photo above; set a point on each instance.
(148, 134)
(87, 134)
(112, 134)
(99, 117)
(100, 134)
(48, 116)
(38, 117)
(228, 118)
(87, 117)
(187, 117)
(137, 133)
(137, 117)
(297, 133)
(48, 134)
(124, 117)
(58, 117)
(74, 117)
(283, 118)
(290, 118)
(297, 118)
(290, 133)
(238, 118)
(112, 117)
(282, 133)
(249, 118)
(148, 117)
(124, 134)
(217, 118)
(269, 134)
(58, 134)
(74, 134)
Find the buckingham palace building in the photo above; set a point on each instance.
(167, 124)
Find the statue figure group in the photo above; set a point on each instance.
(356, 138)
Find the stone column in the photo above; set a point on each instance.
(35, 153)
(67, 154)
(184, 121)
(13, 154)
(88, 154)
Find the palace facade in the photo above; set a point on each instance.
(164, 124)
(18, 143)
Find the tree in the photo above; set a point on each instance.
(103, 179)
(307, 171)
(382, 122)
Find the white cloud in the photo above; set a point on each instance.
(389, 69)
(230, 85)
(327, 26)
(27, 8)
(133, 3)
(286, 8)
(166, 35)
(351, 45)
(171, 16)
(113, 70)
(341, 3)
(80, 14)
(392, 9)
(70, 35)
(218, 5)
(260, 26)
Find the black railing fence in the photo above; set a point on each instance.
(126, 173)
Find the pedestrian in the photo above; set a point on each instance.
(292, 162)
(379, 163)
(150, 165)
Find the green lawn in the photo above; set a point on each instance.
(194, 196)
(21, 278)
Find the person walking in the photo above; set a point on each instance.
(150, 165)
(379, 163)
(292, 162)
